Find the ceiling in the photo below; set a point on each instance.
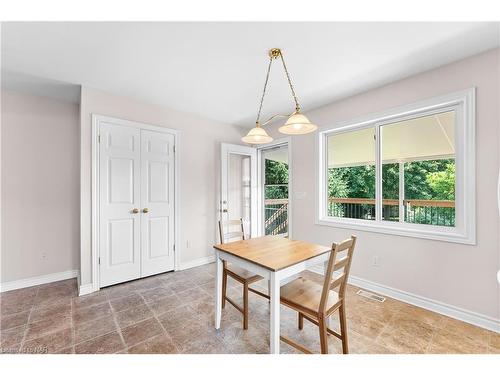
(217, 70)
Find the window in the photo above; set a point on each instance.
(409, 171)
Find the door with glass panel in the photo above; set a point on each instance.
(238, 196)
(274, 166)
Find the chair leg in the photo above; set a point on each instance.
(323, 334)
(343, 328)
(224, 288)
(245, 306)
(301, 321)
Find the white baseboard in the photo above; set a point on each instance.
(196, 262)
(454, 312)
(37, 280)
(85, 289)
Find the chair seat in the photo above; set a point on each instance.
(305, 295)
(242, 274)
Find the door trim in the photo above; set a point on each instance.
(95, 208)
(285, 141)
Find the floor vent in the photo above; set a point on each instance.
(370, 295)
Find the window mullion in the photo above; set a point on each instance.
(378, 173)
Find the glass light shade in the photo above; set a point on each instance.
(257, 136)
(297, 124)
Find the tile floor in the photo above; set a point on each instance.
(173, 313)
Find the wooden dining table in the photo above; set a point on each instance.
(275, 258)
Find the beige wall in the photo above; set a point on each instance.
(199, 169)
(40, 189)
(460, 275)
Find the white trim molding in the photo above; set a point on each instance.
(464, 231)
(471, 317)
(85, 289)
(38, 280)
(197, 262)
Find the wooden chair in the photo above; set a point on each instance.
(237, 273)
(316, 303)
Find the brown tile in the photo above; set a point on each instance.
(406, 335)
(118, 291)
(422, 315)
(43, 327)
(10, 340)
(86, 314)
(131, 316)
(165, 304)
(365, 326)
(193, 295)
(160, 344)
(202, 278)
(179, 316)
(147, 284)
(50, 343)
(49, 293)
(182, 335)
(208, 287)
(14, 320)
(124, 303)
(179, 286)
(17, 301)
(156, 293)
(141, 331)
(90, 300)
(59, 310)
(8, 308)
(109, 343)
(68, 350)
(19, 294)
(205, 345)
(459, 328)
(495, 341)
(447, 342)
(94, 328)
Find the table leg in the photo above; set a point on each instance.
(218, 289)
(275, 314)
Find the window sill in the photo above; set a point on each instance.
(446, 234)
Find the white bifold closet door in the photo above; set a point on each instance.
(136, 221)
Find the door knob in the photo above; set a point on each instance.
(145, 210)
(135, 211)
(224, 210)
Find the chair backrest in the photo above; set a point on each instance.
(231, 230)
(339, 262)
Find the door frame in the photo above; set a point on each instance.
(95, 209)
(285, 141)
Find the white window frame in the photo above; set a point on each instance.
(463, 102)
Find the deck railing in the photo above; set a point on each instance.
(417, 211)
(276, 216)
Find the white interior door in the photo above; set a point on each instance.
(238, 198)
(119, 190)
(157, 202)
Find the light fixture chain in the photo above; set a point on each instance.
(297, 106)
(264, 91)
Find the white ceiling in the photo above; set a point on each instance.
(217, 70)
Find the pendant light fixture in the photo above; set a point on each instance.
(296, 124)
